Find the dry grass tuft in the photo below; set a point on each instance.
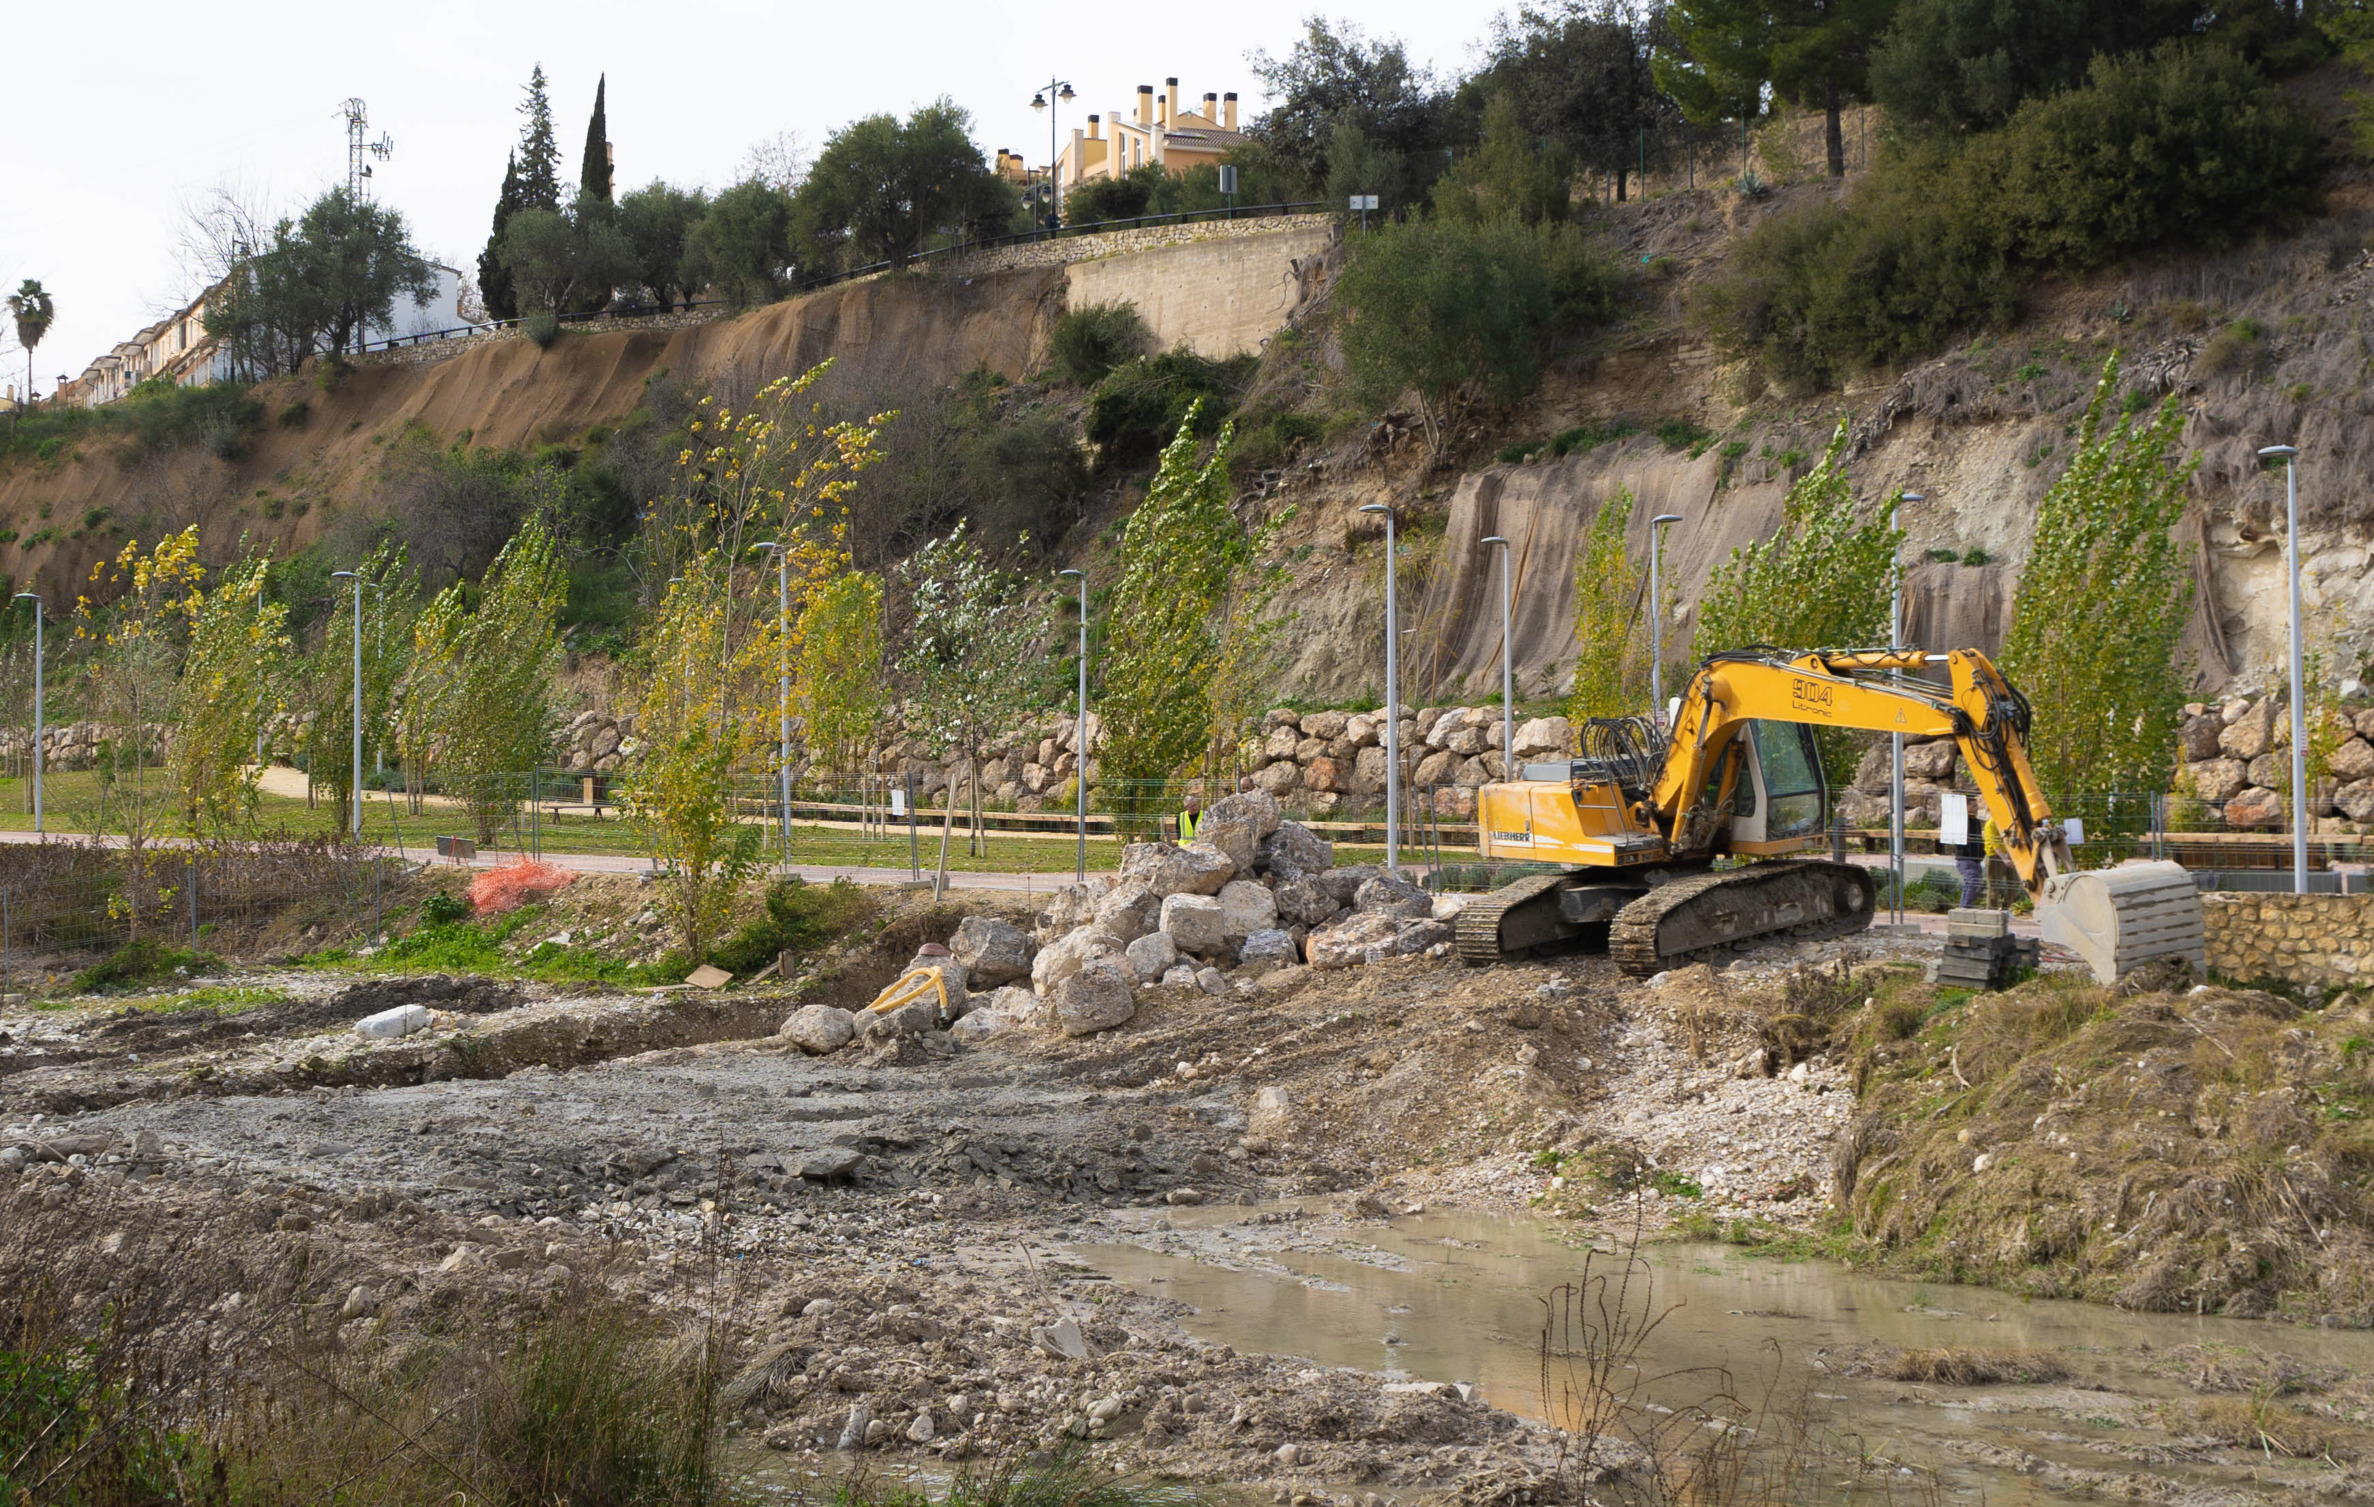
(1953, 1366)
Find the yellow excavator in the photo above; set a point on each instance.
(1633, 827)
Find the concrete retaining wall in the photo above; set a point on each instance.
(2325, 940)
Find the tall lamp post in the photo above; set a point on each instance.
(1080, 764)
(2290, 456)
(1061, 93)
(27, 596)
(1657, 613)
(782, 686)
(1896, 740)
(1392, 702)
(1508, 698)
(355, 790)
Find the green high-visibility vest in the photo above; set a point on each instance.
(1187, 821)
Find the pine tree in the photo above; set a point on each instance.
(539, 153)
(494, 279)
(593, 178)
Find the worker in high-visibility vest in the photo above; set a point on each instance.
(1991, 848)
(1190, 816)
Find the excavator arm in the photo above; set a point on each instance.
(1978, 709)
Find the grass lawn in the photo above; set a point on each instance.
(71, 801)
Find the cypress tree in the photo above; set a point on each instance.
(539, 153)
(593, 179)
(494, 279)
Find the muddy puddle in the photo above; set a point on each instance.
(1462, 1298)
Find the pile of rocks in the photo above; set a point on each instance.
(1253, 898)
(2237, 759)
(596, 741)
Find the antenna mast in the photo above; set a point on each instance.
(359, 151)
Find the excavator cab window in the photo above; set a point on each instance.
(1794, 792)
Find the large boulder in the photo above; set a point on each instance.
(913, 1018)
(1294, 851)
(1930, 761)
(1544, 738)
(2199, 736)
(993, 952)
(1074, 906)
(1151, 956)
(1371, 938)
(2270, 769)
(1392, 895)
(819, 1029)
(1129, 912)
(2353, 760)
(1097, 997)
(1194, 923)
(2355, 800)
(1015, 1002)
(1322, 774)
(1306, 901)
(2217, 780)
(2252, 733)
(1436, 769)
(1063, 957)
(1236, 824)
(1168, 869)
(1344, 883)
(1265, 952)
(1326, 725)
(1280, 778)
(1467, 741)
(1245, 908)
(2254, 807)
(1368, 771)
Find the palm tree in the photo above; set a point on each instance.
(32, 308)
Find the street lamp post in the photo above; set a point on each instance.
(782, 686)
(2290, 456)
(1896, 740)
(355, 789)
(1657, 613)
(1080, 764)
(1392, 702)
(27, 596)
(1060, 92)
(1508, 697)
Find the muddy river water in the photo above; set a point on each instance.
(1461, 1297)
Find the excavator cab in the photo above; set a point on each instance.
(1780, 801)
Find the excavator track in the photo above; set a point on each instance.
(1696, 918)
(1479, 930)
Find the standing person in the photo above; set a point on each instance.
(1991, 840)
(1970, 861)
(1190, 815)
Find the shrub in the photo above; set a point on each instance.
(443, 909)
(1444, 307)
(2186, 145)
(542, 326)
(800, 918)
(140, 961)
(1264, 440)
(1123, 198)
(1139, 407)
(1091, 340)
(295, 415)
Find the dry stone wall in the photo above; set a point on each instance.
(2314, 941)
(2237, 760)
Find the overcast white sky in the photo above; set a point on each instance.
(117, 114)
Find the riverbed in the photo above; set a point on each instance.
(1519, 1310)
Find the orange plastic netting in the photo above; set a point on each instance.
(515, 884)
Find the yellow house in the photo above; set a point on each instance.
(1158, 131)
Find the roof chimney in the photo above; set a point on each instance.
(1096, 128)
(1228, 111)
(1145, 104)
(1170, 92)
(1211, 108)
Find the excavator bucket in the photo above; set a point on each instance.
(2118, 918)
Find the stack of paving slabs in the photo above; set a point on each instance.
(1981, 952)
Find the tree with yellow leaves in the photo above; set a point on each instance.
(230, 686)
(704, 682)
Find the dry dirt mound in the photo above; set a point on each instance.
(2204, 1150)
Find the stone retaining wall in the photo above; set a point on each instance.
(1081, 248)
(2321, 940)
